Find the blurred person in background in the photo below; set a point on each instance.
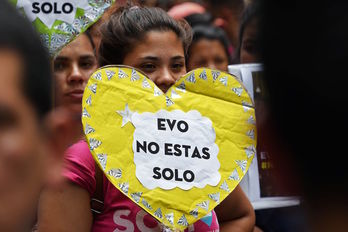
(199, 19)
(149, 3)
(207, 38)
(209, 48)
(248, 50)
(184, 9)
(305, 63)
(277, 219)
(30, 151)
(230, 11)
(193, 12)
(168, 4)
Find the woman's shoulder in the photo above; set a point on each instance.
(79, 148)
(79, 166)
(79, 153)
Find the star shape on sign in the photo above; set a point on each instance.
(126, 115)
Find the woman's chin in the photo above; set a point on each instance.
(75, 109)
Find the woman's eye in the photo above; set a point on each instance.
(59, 66)
(148, 67)
(249, 47)
(178, 66)
(87, 64)
(219, 60)
(7, 119)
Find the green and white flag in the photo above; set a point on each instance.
(60, 21)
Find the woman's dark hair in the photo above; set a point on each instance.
(211, 32)
(18, 35)
(129, 25)
(251, 12)
(89, 36)
(199, 19)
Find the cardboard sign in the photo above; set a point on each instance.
(60, 21)
(177, 155)
(258, 184)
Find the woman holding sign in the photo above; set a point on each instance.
(151, 41)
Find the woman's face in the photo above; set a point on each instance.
(208, 53)
(160, 55)
(72, 69)
(249, 52)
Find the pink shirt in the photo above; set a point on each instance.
(120, 213)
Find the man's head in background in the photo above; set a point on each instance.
(305, 55)
(230, 11)
(25, 101)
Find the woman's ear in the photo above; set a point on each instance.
(59, 133)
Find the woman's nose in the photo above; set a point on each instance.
(165, 80)
(76, 74)
(212, 65)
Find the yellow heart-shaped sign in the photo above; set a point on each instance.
(177, 155)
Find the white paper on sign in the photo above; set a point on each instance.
(175, 149)
(49, 11)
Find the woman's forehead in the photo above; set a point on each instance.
(80, 45)
(157, 43)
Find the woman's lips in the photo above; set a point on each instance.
(76, 95)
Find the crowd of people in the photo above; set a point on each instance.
(49, 180)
